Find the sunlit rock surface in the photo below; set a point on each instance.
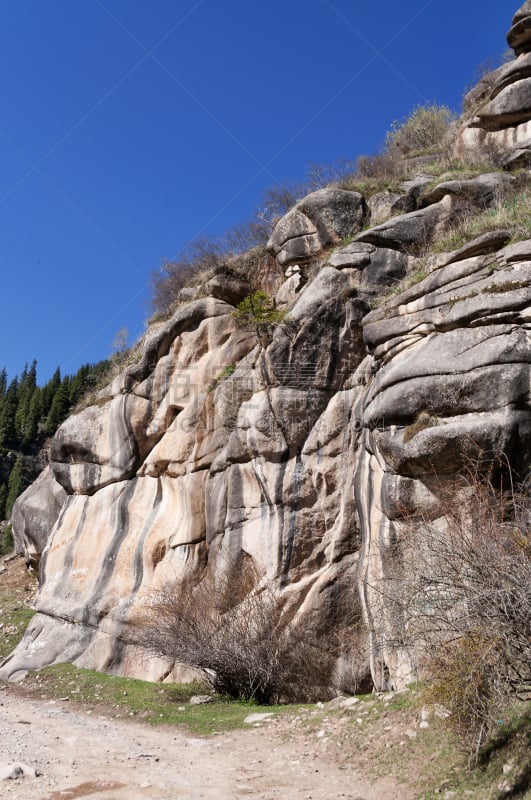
(307, 456)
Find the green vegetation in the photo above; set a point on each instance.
(17, 588)
(30, 413)
(156, 703)
(6, 539)
(258, 313)
(225, 373)
(512, 213)
(16, 620)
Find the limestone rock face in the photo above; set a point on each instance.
(307, 456)
(298, 461)
(321, 219)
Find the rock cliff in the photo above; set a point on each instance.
(498, 108)
(308, 454)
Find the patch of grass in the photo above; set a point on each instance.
(371, 185)
(17, 587)
(456, 171)
(347, 240)
(155, 703)
(501, 288)
(512, 213)
(423, 421)
(510, 747)
(15, 620)
(6, 540)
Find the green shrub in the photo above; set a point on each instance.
(258, 313)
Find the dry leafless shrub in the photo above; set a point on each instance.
(382, 165)
(352, 673)
(277, 200)
(464, 599)
(232, 631)
(320, 176)
(426, 129)
(168, 280)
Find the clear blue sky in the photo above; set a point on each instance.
(130, 127)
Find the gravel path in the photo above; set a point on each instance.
(79, 754)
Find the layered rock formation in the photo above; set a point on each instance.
(307, 456)
(499, 107)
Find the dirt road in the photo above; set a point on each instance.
(79, 754)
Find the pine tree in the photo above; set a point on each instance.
(48, 391)
(31, 425)
(8, 428)
(59, 408)
(3, 383)
(26, 389)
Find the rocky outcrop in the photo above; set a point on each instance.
(500, 107)
(300, 463)
(388, 204)
(320, 220)
(308, 455)
(35, 514)
(519, 37)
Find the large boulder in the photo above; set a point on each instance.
(229, 288)
(383, 205)
(509, 108)
(35, 514)
(379, 269)
(412, 232)
(519, 36)
(481, 192)
(321, 219)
